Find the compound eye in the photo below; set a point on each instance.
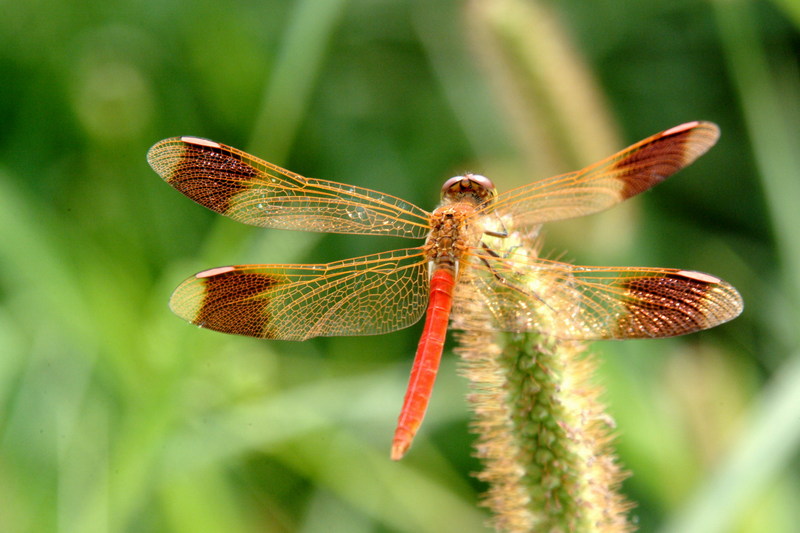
(467, 182)
(452, 182)
(482, 181)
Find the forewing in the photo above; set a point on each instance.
(366, 295)
(252, 191)
(592, 303)
(604, 184)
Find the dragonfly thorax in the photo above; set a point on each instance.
(470, 187)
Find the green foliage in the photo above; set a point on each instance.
(117, 416)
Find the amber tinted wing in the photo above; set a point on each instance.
(247, 189)
(366, 295)
(600, 186)
(591, 303)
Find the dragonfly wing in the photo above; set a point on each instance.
(366, 295)
(592, 303)
(604, 184)
(249, 190)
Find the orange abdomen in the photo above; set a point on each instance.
(426, 362)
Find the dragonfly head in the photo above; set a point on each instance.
(474, 187)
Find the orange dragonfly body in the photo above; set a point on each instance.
(472, 241)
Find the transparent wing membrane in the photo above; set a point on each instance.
(252, 191)
(592, 303)
(615, 179)
(366, 295)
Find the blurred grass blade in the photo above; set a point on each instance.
(554, 109)
(32, 254)
(559, 116)
(284, 104)
(769, 443)
(764, 99)
(308, 428)
(462, 82)
(773, 429)
(294, 75)
(791, 8)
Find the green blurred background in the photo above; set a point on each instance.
(117, 416)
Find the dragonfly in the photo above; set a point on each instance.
(477, 242)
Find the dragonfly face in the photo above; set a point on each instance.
(388, 291)
(470, 187)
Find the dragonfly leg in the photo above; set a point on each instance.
(505, 281)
